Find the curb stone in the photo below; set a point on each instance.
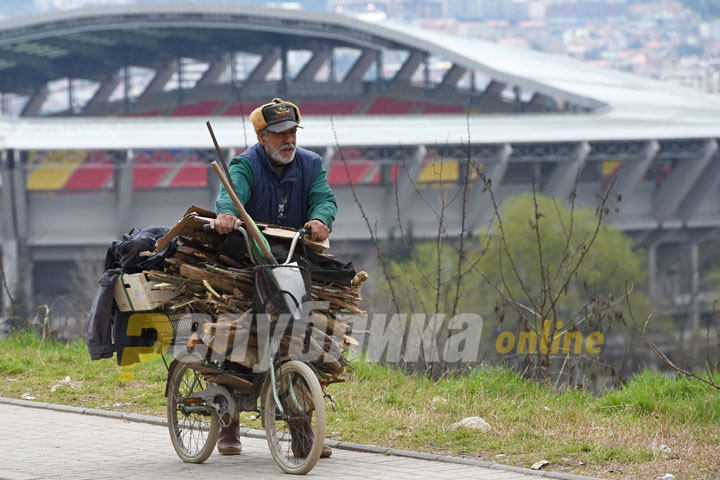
(252, 433)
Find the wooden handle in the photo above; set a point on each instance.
(252, 228)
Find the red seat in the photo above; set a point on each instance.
(328, 108)
(93, 174)
(390, 106)
(195, 110)
(241, 110)
(147, 172)
(339, 176)
(193, 174)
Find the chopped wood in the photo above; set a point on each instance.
(223, 287)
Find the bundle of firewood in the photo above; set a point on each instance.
(211, 283)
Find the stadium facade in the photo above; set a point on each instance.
(395, 111)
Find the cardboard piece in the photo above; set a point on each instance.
(195, 218)
(136, 293)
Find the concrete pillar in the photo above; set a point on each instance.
(632, 171)
(380, 79)
(16, 254)
(681, 181)
(405, 187)
(564, 176)
(694, 307)
(127, 102)
(8, 244)
(479, 207)
(124, 189)
(327, 157)
(652, 271)
(71, 96)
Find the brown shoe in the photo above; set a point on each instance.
(302, 437)
(229, 439)
(326, 452)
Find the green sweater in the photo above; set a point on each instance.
(321, 201)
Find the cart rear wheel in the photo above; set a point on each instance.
(296, 435)
(193, 425)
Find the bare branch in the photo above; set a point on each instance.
(373, 234)
(660, 355)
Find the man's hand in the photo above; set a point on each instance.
(225, 223)
(318, 230)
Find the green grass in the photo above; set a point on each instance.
(651, 394)
(574, 430)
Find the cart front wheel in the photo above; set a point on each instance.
(193, 424)
(296, 432)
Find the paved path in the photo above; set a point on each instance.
(39, 443)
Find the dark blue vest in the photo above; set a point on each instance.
(281, 201)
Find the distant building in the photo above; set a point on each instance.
(398, 9)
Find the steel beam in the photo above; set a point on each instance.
(106, 89)
(214, 72)
(408, 68)
(162, 76)
(564, 177)
(681, 181)
(451, 78)
(360, 67)
(261, 70)
(312, 66)
(35, 103)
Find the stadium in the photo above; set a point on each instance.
(395, 111)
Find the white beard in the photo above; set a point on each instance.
(277, 158)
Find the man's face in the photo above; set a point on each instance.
(279, 146)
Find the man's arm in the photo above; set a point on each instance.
(242, 177)
(321, 201)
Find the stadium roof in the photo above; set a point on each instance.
(94, 41)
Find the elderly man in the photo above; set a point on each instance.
(282, 184)
(276, 181)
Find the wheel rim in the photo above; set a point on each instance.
(291, 441)
(191, 424)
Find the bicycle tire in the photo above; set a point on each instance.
(193, 434)
(278, 432)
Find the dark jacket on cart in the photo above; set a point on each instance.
(106, 331)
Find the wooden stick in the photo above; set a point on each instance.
(252, 228)
(227, 183)
(220, 154)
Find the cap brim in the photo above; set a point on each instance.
(282, 126)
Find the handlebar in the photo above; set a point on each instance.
(298, 235)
